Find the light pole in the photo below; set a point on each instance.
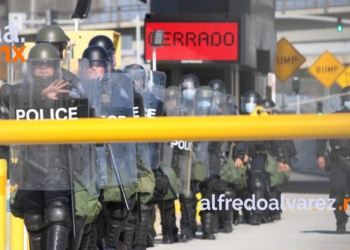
(157, 41)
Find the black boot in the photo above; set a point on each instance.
(128, 235)
(74, 242)
(216, 224)
(36, 227)
(235, 217)
(100, 229)
(37, 239)
(258, 188)
(342, 219)
(112, 235)
(93, 237)
(141, 231)
(57, 237)
(186, 206)
(226, 220)
(207, 225)
(57, 217)
(167, 211)
(85, 240)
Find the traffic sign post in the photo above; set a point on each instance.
(344, 79)
(287, 61)
(326, 69)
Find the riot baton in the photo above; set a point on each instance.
(105, 212)
(170, 186)
(72, 194)
(33, 164)
(118, 177)
(139, 210)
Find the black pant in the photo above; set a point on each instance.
(36, 201)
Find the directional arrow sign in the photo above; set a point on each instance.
(287, 61)
(344, 79)
(326, 69)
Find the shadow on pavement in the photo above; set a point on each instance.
(322, 232)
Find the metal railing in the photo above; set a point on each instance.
(283, 5)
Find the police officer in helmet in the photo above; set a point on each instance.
(217, 85)
(106, 43)
(43, 186)
(336, 161)
(54, 35)
(188, 85)
(257, 154)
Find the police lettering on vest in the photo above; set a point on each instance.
(184, 145)
(70, 113)
(150, 113)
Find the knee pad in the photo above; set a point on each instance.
(87, 229)
(230, 193)
(146, 208)
(169, 204)
(117, 212)
(257, 185)
(57, 213)
(34, 221)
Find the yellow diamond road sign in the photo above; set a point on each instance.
(287, 61)
(326, 69)
(344, 79)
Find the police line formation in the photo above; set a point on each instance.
(86, 196)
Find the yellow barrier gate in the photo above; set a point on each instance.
(157, 130)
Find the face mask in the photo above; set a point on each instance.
(249, 107)
(189, 94)
(204, 104)
(347, 105)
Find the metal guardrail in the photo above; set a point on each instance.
(283, 5)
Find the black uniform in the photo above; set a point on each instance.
(337, 157)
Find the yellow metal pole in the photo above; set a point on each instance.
(3, 210)
(17, 233)
(175, 128)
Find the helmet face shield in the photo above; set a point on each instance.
(248, 104)
(43, 72)
(98, 70)
(203, 101)
(172, 102)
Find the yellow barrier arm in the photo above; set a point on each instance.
(219, 128)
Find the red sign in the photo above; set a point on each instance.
(203, 41)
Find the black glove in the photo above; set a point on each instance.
(161, 188)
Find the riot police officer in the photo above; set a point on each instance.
(335, 159)
(139, 229)
(188, 85)
(106, 43)
(107, 90)
(54, 35)
(283, 151)
(44, 180)
(257, 152)
(217, 85)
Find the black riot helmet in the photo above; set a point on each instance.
(97, 57)
(345, 99)
(269, 105)
(43, 65)
(188, 84)
(250, 101)
(106, 43)
(53, 35)
(172, 101)
(217, 85)
(203, 101)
